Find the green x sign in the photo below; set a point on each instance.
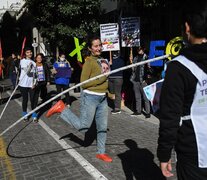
(77, 49)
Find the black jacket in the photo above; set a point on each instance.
(117, 63)
(176, 99)
(138, 72)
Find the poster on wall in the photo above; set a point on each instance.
(130, 32)
(110, 36)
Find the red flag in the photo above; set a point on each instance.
(23, 45)
(0, 50)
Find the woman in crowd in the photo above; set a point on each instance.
(93, 99)
(62, 70)
(42, 80)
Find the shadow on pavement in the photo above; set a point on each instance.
(4, 100)
(47, 106)
(138, 163)
(86, 142)
(33, 155)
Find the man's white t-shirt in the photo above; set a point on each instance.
(27, 76)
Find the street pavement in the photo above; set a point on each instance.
(53, 150)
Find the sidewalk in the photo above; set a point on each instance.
(36, 151)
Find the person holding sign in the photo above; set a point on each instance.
(116, 80)
(183, 101)
(93, 99)
(138, 80)
(62, 71)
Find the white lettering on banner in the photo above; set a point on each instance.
(110, 37)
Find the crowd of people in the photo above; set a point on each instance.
(15, 68)
(33, 76)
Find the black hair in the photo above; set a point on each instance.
(27, 49)
(39, 54)
(90, 40)
(85, 52)
(60, 54)
(14, 53)
(140, 48)
(116, 53)
(195, 14)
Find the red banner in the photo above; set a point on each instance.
(23, 45)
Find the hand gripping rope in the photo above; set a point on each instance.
(82, 83)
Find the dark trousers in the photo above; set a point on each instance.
(38, 92)
(43, 92)
(25, 92)
(187, 170)
(139, 95)
(63, 87)
(13, 78)
(115, 87)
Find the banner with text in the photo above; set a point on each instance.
(130, 32)
(110, 36)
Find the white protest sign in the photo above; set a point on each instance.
(110, 36)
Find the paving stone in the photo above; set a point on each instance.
(35, 155)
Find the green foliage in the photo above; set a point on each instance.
(58, 20)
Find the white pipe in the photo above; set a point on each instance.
(2, 112)
(82, 83)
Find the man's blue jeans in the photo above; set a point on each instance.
(91, 106)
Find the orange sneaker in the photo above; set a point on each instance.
(57, 108)
(104, 157)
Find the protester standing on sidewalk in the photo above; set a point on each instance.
(116, 80)
(43, 79)
(138, 79)
(93, 99)
(13, 68)
(27, 81)
(183, 102)
(62, 70)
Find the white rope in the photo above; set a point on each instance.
(2, 112)
(82, 83)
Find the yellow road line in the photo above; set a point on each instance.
(9, 172)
